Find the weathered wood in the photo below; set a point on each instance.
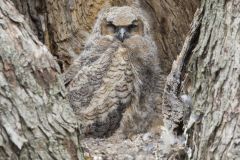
(173, 107)
(215, 76)
(211, 78)
(177, 104)
(36, 121)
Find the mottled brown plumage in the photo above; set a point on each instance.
(116, 82)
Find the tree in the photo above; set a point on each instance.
(208, 70)
(36, 119)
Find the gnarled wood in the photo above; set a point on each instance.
(215, 76)
(36, 121)
(212, 80)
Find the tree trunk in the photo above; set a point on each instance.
(36, 121)
(215, 72)
(208, 70)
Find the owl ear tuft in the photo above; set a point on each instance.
(136, 4)
(131, 3)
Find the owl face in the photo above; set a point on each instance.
(122, 31)
(123, 24)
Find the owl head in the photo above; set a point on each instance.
(126, 27)
(122, 23)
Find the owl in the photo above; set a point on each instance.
(116, 82)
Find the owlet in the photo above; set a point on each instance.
(116, 82)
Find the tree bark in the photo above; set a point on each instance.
(215, 73)
(36, 120)
(208, 70)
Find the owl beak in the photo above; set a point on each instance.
(121, 35)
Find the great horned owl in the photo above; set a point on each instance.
(116, 82)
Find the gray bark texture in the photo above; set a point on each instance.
(214, 68)
(36, 121)
(202, 94)
(208, 71)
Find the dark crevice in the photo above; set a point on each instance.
(188, 54)
(34, 13)
(179, 130)
(33, 9)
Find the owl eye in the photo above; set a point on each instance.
(111, 28)
(133, 28)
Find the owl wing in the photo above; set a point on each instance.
(73, 70)
(92, 52)
(104, 112)
(88, 79)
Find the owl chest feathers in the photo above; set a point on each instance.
(101, 92)
(115, 89)
(113, 82)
